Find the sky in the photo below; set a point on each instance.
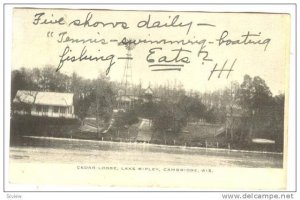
(46, 37)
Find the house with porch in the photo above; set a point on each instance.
(48, 104)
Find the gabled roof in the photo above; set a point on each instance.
(44, 98)
(148, 91)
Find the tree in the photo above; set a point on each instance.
(192, 107)
(169, 118)
(146, 110)
(255, 98)
(105, 98)
(254, 95)
(81, 104)
(25, 105)
(84, 95)
(21, 80)
(211, 115)
(18, 81)
(277, 121)
(126, 118)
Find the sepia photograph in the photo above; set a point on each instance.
(149, 99)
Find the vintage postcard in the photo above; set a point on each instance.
(149, 99)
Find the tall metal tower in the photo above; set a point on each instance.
(127, 74)
(126, 92)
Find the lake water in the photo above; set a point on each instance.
(60, 150)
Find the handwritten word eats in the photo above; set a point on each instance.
(157, 59)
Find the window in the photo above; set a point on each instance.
(45, 109)
(55, 109)
(62, 110)
(38, 108)
(70, 110)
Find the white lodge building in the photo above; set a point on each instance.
(48, 104)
